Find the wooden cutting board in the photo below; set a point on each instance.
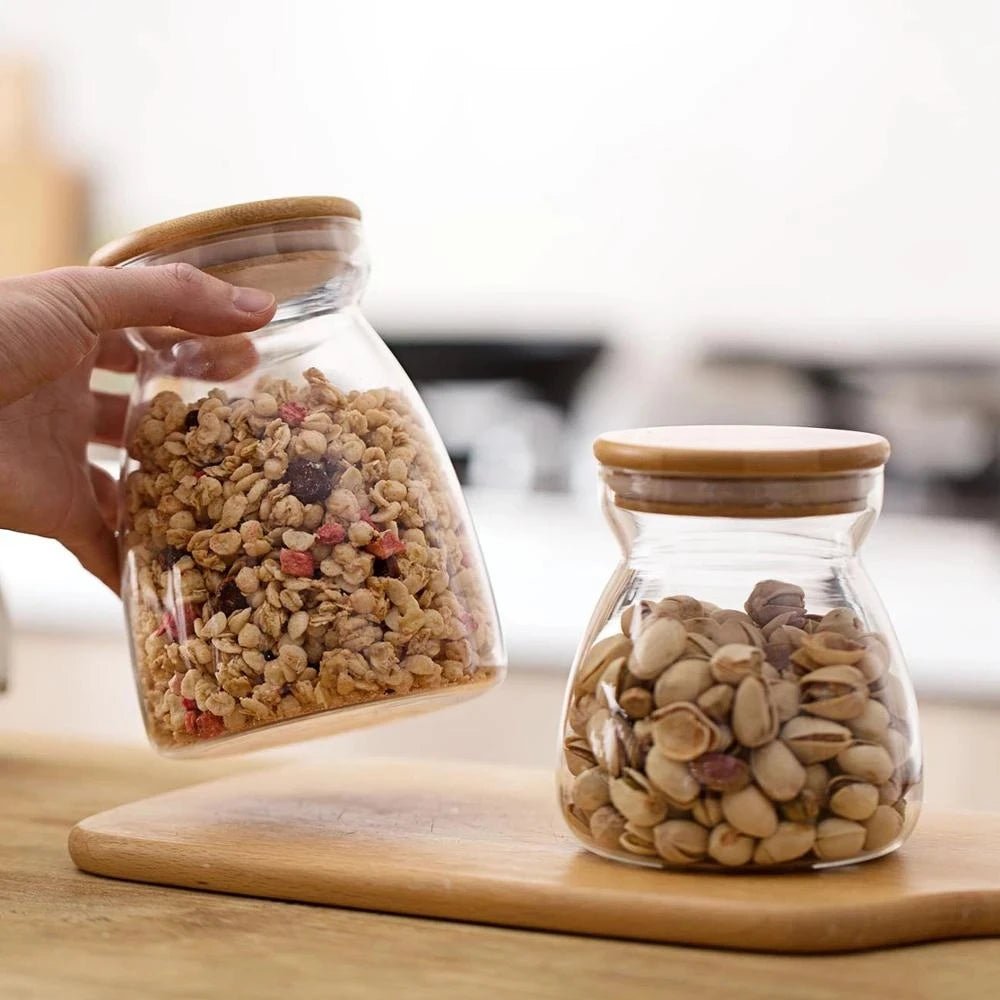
(486, 844)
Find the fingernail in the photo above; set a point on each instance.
(252, 300)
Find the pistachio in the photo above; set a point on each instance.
(804, 808)
(771, 598)
(896, 744)
(872, 666)
(868, 761)
(830, 649)
(750, 812)
(788, 842)
(731, 663)
(580, 712)
(660, 642)
(578, 755)
(681, 606)
(813, 740)
(716, 701)
(682, 731)
(590, 790)
(852, 798)
(707, 810)
(610, 684)
(842, 620)
(817, 780)
(872, 723)
(680, 842)
(682, 681)
(606, 827)
(839, 839)
(636, 702)
(784, 695)
(671, 777)
(723, 615)
(777, 771)
(597, 658)
(699, 647)
(638, 840)
(730, 847)
(577, 820)
(604, 743)
(636, 798)
(707, 628)
(890, 792)
(889, 690)
(754, 719)
(721, 772)
(739, 631)
(723, 738)
(834, 692)
(883, 827)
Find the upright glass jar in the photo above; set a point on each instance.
(297, 555)
(739, 700)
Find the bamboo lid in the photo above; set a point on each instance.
(216, 221)
(741, 451)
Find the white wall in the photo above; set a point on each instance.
(661, 167)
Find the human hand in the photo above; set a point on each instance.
(55, 328)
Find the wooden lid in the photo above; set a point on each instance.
(741, 451)
(215, 221)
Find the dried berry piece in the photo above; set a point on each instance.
(311, 482)
(170, 556)
(191, 419)
(386, 545)
(386, 567)
(292, 413)
(330, 534)
(296, 563)
(230, 598)
(190, 721)
(190, 704)
(208, 725)
(169, 622)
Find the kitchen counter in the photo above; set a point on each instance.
(66, 934)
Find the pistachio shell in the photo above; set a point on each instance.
(839, 692)
(777, 771)
(660, 642)
(750, 812)
(578, 755)
(681, 606)
(872, 665)
(804, 808)
(788, 842)
(771, 598)
(740, 631)
(729, 846)
(851, 798)
(637, 799)
(813, 739)
(868, 761)
(717, 701)
(580, 711)
(842, 620)
(731, 663)
(872, 723)
(597, 658)
(680, 842)
(699, 647)
(892, 694)
(682, 681)
(606, 827)
(831, 648)
(897, 745)
(604, 743)
(754, 719)
(817, 780)
(721, 772)
(682, 731)
(723, 738)
(590, 790)
(671, 777)
(704, 626)
(784, 695)
(882, 828)
(707, 811)
(636, 702)
(839, 839)
(638, 840)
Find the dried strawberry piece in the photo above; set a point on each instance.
(168, 623)
(209, 725)
(190, 703)
(296, 563)
(330, 534)
(199, 473)
(367, 518)
(292, 413)
(190, 721)
(174, 687)
(387, 544)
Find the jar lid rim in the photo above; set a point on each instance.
(735, 451)
(216, 221)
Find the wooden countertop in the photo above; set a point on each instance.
(69, 935)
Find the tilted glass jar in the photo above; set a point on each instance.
(297, 555)
(739, 700)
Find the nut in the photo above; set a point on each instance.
(682, 731)
(717, 701)
(671, 777)
(872, 723)
(731, 663)
(637, 799)
(754, 720)
(852, 798)
(788, 842)
(771, 598)
(842, 620)
(636, 702)
(834, 692)
(883, 827)
(684, 680)
(896, 744)
(603, 652)
(830, 649)
(604, 744)
(638, 840)
(738, 630)
(730, 847)
(699, 647)
(785, 697)
(606, 827)
(680, 606)
(805, 808)
(707, 628)
(590, 790)
(721, 772)
(578, 755)
(750, 812)
(707, 811)
(839, 839)
(777, 771)
(660, 642)
(813, 740)
(868, 761)
(680, 842)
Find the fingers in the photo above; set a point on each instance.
(106, 495)
(93, 543)
(109, 418)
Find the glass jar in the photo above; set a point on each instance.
(739, 700)
(297, 556)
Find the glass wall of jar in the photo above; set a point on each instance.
(739, 700)
(298, 558)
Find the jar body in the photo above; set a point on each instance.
(298, 559)
(739, 701)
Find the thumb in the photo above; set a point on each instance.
(50, 321)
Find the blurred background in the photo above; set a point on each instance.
(581, 216)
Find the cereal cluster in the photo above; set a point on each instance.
(712, 737)
(292, 551)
